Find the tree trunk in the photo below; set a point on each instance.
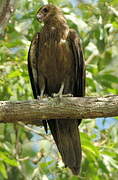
(7, 7)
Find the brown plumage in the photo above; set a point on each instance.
(56, 67)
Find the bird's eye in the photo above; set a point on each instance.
(45, 10)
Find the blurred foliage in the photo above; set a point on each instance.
(24, 153)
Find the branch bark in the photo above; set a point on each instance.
(7, 8)
(54, 108)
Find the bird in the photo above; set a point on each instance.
(56, 68)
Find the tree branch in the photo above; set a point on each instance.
(54, 108)
(7, 8)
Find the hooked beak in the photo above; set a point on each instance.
(39, 17)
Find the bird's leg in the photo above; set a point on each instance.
(42, 91)
(59, 94)
(41, 82)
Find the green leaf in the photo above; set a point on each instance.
(88, 145)
(3, 170)
(5, 157)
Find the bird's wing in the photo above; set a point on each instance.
(74, 41)
(32, 64)
(33, 55)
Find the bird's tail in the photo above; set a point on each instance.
(67, 138)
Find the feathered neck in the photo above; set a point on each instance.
(55, 20)
(55, 28)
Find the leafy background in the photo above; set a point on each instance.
(26, 152)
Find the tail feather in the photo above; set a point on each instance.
(66, 136)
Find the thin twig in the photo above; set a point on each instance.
(33, 130)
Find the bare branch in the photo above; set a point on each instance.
(34, 111)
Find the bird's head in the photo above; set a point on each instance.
(47, 12)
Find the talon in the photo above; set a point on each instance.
(38, 97)
(54, 95)
(68, 95)
(41, 97)
(61, 95)
(57, 95)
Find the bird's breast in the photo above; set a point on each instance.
(55, 58)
